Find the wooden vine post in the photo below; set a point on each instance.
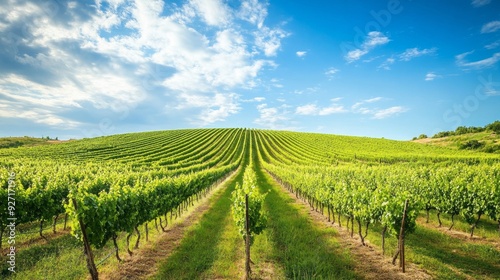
(247, 240)
(401, 242)
(86, 248)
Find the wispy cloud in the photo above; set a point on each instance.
(330, 73)
(161, 52)
(213, 12)
(484, 63)
(374, 39)
(214, 108)
(255, 99)
(269, 40)
(409, 54)
(274, 117)
(480, 3)
(430, 76)
(386, 65)
(309, 90)
(301, 53)
(491, 26)
(389, 112)
(254, 12)
(314, 110)
(493, 45)
(359, 104)
(365, 107)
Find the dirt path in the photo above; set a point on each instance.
(144, 262)
(369, 261)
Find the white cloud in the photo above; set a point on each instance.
(254, 12)
(255, 99)
(493, 45)
(214, 108)
(409, 54)
(309, 109)
(331, 72)
(273, 117)
(314, 110)
(301, 53)
(430, 76)
(334, 109)
(358, 105)
(386, 65)
(484, 63)
(480, 3)
(309, 90)
(37, 115)
(490, 27)
(385, 113)
(355, 55)
(374, 39)
(276, 83)
(364, 107)
(269, 40)
(213, 12)
(160, 52)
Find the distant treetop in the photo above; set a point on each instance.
(495, 127)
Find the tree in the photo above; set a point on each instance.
(422, 136)
(471, 145)
(495, 127)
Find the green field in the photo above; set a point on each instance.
(325, 193)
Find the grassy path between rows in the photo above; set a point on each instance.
(304, 249)
(199, 250)
(292, 247)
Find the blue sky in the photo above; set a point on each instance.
(392, 69)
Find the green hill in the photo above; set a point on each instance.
(485, 141)
(114, 187)
(14, 142)
(127, 147)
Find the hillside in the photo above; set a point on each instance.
(126, 147)
(485, 141)
(15, 142)
(157, 205)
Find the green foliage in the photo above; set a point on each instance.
(14, 142)
(495, 127)
(422, 136)
(257, 219)
(471, 145)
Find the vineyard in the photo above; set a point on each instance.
(94, 205)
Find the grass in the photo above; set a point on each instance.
(490, 140)
(14, 142)
(443, 256)
(221, 255)
(37, 260)
(208, 247)
(486, 227)
(292, 247)
(304, 250)
(40, 260)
